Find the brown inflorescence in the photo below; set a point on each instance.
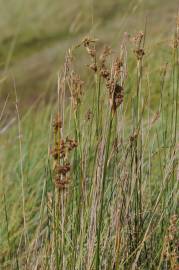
(139, 51)
(76, 89)
(90, 47)
(114, 85)
(60, 153)
(61, 175)
(61, 150)
(113, 78)
(137, 39)
(57, 123)
(103, 70)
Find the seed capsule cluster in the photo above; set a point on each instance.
(113, 77)
(139, 51)
(60, 153)
(76, 89)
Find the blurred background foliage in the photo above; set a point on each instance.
(35, 35)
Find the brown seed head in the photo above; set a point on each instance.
(61, 150)
(62, 184)
(137, 39)
(57, 123)
(76, 88)
(118, 64)
(139, 53)
(89, 44)
(105, 53)
(116, 97)
(93, 67)
(62, 169)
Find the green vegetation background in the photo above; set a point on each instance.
(35, 35)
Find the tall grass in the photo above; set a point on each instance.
(107, 198)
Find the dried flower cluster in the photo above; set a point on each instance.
(115, 86)
(103, 70)
(76, 89)
(112, 77)
(62, 149)
(57, 124)
(90, 45)
(60, 153)
(113, 80)
(139, 51)
(73, 81)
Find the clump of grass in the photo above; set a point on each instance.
(110, 194)
(114, 219)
